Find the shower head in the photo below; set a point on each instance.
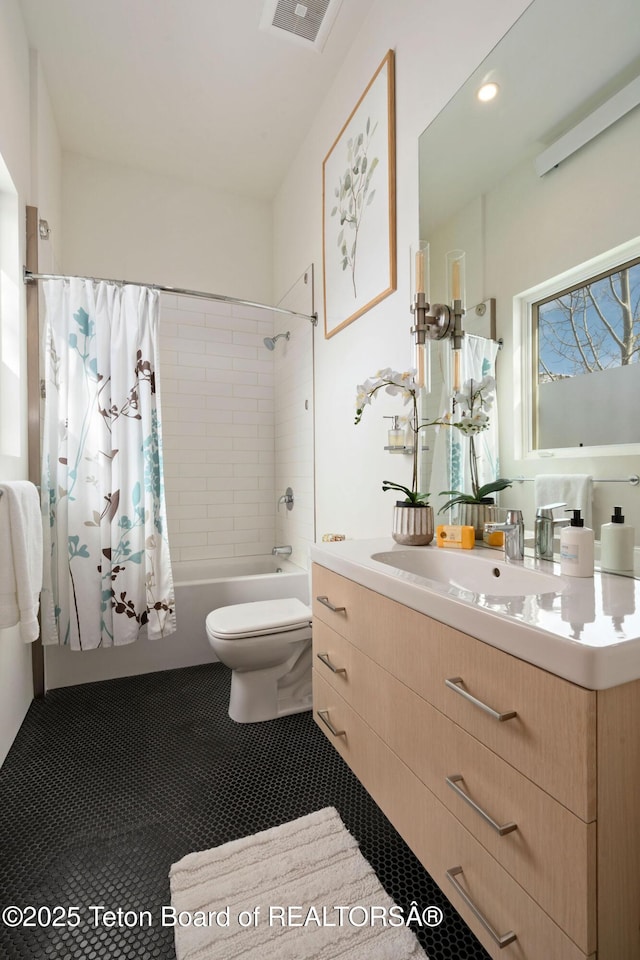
(270, 342)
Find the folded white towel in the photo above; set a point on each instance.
(20, 557)
(574, 489)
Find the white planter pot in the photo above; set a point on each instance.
(412, 525)
(476, 515)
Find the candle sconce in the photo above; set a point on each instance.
(436, 321)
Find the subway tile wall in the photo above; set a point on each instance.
(217, 396)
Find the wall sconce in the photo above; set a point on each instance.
(436, 321)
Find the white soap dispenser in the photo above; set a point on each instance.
(576, 548)
(616, 545)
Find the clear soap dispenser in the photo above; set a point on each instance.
(396, 435)
(576, 548)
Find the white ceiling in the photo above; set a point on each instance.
(187, 88)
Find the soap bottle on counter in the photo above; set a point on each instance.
(616, 545)
(576, 548)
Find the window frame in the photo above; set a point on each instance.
(526, 352)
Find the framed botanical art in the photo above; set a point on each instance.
(359, 206)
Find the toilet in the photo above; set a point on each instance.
(267, 645)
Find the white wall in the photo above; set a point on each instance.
(25, 117)
(46, 169)
(437, 45)
(125, 223)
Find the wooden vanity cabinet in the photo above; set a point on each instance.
(483, 762)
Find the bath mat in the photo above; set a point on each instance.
(301, 891)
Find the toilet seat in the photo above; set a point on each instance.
(259, 618)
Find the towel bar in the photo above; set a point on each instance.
(634, 480)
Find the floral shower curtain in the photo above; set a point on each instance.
(450, 469)
(478, 361)
(107, 571)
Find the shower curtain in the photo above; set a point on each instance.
(478, 361)
(451, 457)
(107, 575)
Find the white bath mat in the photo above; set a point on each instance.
(301, 891)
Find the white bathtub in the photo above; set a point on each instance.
(203, 585)
(200, 587)
(204, 571)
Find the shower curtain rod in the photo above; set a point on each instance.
(30, 277)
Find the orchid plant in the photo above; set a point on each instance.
(473, 402)
(398, 384)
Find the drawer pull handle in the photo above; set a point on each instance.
(324, 658)
(453, 685)
(324, 716)
(501, 941)
(327, 603)
(500, 830)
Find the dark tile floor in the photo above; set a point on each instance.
(107, 784)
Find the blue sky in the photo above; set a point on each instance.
(572, 336)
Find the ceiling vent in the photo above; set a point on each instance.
(306, 22)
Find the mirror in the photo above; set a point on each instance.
(528, 236)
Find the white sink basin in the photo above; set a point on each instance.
(585, 629)
(477, 574)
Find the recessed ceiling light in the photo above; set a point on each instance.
(488, 91)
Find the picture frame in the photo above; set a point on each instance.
(359, 206)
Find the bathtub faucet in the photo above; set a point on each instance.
(285, 551)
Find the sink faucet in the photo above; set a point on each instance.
(513, 529)
(545, 528)
(285, 551)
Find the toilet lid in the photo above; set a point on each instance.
(260, 617)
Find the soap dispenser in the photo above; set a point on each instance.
(576, 548)
(616, 545)
(396, 436)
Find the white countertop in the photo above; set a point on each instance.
(587, 632)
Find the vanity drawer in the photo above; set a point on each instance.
(336, 601)
(551, 852)
(551, 738)
(440, 841)
(333, 658)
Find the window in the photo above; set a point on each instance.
(585, 354)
